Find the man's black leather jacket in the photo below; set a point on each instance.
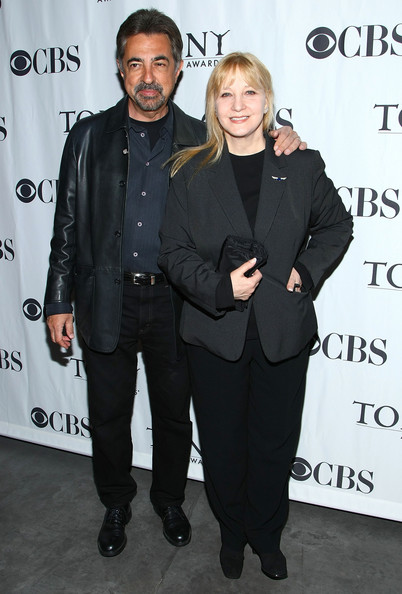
(86, 249)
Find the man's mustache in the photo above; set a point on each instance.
(148, 87)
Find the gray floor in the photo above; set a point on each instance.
(50, 517)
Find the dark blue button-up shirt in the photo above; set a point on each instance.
(148, 184)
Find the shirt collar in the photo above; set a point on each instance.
(167, 126)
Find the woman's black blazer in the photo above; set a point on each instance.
(300, 218)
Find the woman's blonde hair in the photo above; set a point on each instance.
(256, 75)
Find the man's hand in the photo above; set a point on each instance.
(287, 141)
(294, 283)
(243, 286)
(61, 329)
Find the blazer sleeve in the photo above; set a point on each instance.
(62, 255)
(330, 226)
(195, 279)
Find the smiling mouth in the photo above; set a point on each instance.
(239, 119)
(148, 91)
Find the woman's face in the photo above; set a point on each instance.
(240, 110)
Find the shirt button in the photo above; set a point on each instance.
(143, 193)
(135, 254)
(117, 233)
(117, 281)
(147, 164)
(125, 151)
(142, 134)
(139, 224)
(122, 183)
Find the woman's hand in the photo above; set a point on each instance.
(243, 286)
(294, 283)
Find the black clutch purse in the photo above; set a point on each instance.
(237, 250)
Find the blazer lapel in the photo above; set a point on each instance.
(273, 185)
(224, 187)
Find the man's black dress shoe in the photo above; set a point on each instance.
(176, 527)
(231, 562)
(112, 537)
(273, 565)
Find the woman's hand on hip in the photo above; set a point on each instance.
(294, 283)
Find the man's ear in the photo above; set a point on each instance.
(179, 69)
(119, 68)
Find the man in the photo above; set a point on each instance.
(111, 199)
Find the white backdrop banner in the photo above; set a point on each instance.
(336, 71)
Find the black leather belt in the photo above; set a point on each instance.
(144, 279)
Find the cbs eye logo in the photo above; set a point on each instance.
(32, 310)
(39, 417)
(301, 470)
(20, 63)
(25, 190)
(321, 43)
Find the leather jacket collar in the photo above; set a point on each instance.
(183, 132)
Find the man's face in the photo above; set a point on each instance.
(149, 74)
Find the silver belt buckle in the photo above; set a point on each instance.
(153, 279)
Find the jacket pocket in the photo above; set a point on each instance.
(84, 290)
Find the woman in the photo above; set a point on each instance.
(248, 364)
